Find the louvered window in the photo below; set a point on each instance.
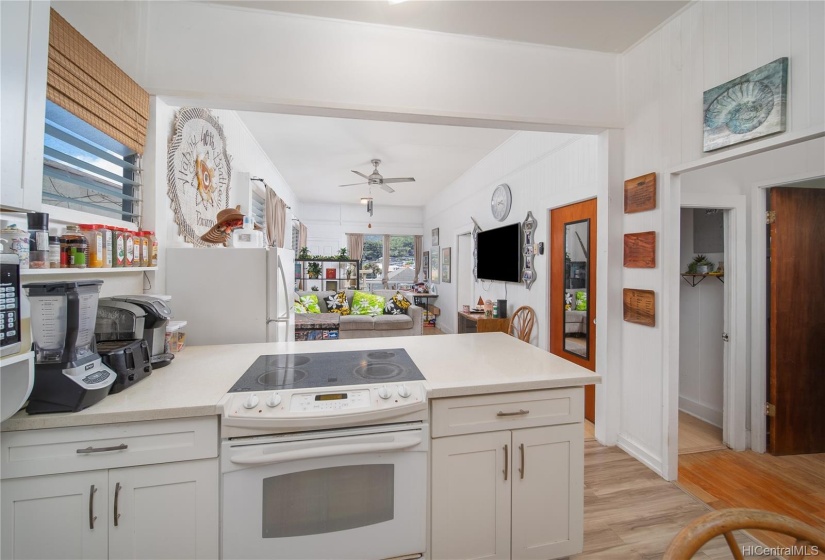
(96, 119)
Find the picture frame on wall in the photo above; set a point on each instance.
(435, 237)
(435, 263)
(445, 264)
(425, 266)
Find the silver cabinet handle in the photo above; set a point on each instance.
(506, 461)
(91, 449)
(92, 516)
(523, 464)
(117, 493)
(521, 412)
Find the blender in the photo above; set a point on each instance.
(69, 375)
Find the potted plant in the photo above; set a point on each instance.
(314, 270)
(700, 265)
(342, 254)
(303, 253)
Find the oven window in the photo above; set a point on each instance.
(327, 500)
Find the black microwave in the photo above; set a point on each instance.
(9, 304)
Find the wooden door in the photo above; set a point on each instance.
(548, 491)
(471, 496)
(573, 272)
(48, 517)
(797, 321)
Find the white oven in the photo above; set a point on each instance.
(351, 493)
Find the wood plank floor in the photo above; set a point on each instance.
(696, 436)
(793, 485)
(631, 513)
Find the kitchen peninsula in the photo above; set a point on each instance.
(504, 440)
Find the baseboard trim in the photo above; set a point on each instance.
(641, 454)
(701, 411)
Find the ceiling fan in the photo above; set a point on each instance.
(375, 178)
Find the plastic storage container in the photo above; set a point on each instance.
(144, 248)
(129, 244)
(175, 336)
(119, 247)
(38, 226)
(153, 248)
(16, 240)
(97, 247)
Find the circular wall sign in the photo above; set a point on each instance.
(198, 172)
(501, 202)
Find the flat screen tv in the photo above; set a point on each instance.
(498, 254)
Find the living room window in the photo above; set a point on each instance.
(400, 261)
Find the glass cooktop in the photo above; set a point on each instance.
(328, 369)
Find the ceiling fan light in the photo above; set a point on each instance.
(365, 200)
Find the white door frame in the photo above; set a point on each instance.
(734, 413)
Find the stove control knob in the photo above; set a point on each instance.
(251, 401)
(273, 400)
(404, 391)
(384, 392)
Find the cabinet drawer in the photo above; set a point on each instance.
(505, 411)
(84, 448)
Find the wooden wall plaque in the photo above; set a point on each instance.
(640, 194)
(640, 250)
(640, 306)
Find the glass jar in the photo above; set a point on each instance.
(94, 236)
(119, 247)
(74, 248)
(54, 251)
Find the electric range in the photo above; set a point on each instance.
(282, 393)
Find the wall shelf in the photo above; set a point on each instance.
(693, 279)
(87, 271)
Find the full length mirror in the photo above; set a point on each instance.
(576, 272)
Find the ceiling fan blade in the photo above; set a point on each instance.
(387, 188)
(400, 180)
(361, 174)
(353, 184)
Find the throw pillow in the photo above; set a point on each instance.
(299, 307)
(310, 301)
(367, 304)
(337, 303)
(581, 301)
(397, 305)
(568, 301)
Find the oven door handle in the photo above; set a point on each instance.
(402, 442)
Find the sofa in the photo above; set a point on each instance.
(575, 322)
(379, 326)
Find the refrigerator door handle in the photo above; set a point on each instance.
(282, 274)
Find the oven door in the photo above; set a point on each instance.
(352, 494)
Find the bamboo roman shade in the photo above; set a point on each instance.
(86, 83)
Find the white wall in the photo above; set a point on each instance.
(664, 77)
(701, 322)
(543, 171)
(265, 60)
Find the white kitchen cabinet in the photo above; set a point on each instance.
(516, 492)
(23, 64)
(132, 490)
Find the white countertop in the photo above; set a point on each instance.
(199, 376)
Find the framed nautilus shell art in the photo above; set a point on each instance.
(748, 107)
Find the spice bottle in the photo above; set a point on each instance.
(108, 245)
(54, 251)
(94, 236)
(153, 248)
(119, 247)
(74, 248)
(38, 226)
(129, 242)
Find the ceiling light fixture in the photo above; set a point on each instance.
(365, 199)
(394, 2)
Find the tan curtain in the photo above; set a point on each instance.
(355, 245)
(418, 247)
(385, 261)
(275, 219)
(82, 80)
(302, 237)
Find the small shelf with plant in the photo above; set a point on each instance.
(312, 268)
(700, 268)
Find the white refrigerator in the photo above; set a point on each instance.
(232, 295)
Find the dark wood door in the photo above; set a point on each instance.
(573, 281)
(797, 321)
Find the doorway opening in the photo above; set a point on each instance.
(703, 330)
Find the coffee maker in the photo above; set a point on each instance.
(136, 317)
(68, 373)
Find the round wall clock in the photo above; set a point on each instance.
(198, 172)
(501, 202)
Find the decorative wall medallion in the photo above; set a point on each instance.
(640, 250)
(640, 194)
(528, 271)
(639, 306)
(751, 106)
(446, 258)
(501, 201)
(198, 172)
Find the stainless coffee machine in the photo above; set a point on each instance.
(121, 318)
(68, 373)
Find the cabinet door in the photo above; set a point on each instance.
(470, 496)
(164, 511)
(47, 517)
(548, 491)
